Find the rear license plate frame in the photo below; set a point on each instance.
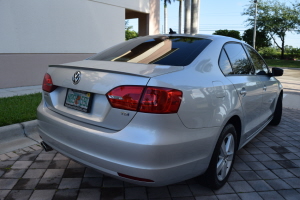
(84, 105)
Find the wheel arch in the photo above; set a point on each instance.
(237, 123)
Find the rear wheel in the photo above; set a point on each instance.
(278, 112)
(222, 159)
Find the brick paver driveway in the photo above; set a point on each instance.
(266, 168)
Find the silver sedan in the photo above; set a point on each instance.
(160, 109)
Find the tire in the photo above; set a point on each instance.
(278, 112)
(222, 161)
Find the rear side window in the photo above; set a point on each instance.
(225, 64)
(259, 65)
(238, 59)
(163, 50)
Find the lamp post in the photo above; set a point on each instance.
(255, 18)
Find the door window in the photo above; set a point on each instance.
(259, 64)
(238, 59)
(225, 64)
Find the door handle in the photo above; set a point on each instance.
(265, 88)
(243, 92)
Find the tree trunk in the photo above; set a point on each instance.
(195, 16)
(165, 19)
(180, 16)
(187, 16)
(282, 49)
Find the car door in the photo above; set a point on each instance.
(247, 85)
(269, 84)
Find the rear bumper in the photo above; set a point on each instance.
(155, 147)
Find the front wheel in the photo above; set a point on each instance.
(222, 159)
(278, 112)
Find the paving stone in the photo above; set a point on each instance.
(19, 194)
(111, 182)
(260, 185)
(74, 164)
(27, 157)
(54, 173)
(226, 189)
(283, 173)
(241, 186)
(7, 183)
(262, 157)
(183, 198)
(88, 194)
(297, 162)
(271, 165)
(290, 194)
(48, 183)
(180, 191)
(3, 193)
(58, 164)
(12, 155)
(91, 183)
(135, 193)
(254, 150)
(112, 193)
(34, 173)
(2, 171)
(250, 196)
(295, 171)
(271, 195)
(14, 173)
(21, 164)
(40, 164)
(256, 166)
(294, 182)
(6, 164)
(235, 176)
(158, 192)
(207, 198)
(90, 172)
(249, 175)
(280, 149)
(239, 166)
(69, 183)
(287, 164)
(247, 158)
(290, 156)
(199, 190)
(278, 184)
(42, 194)
(60, 157)
(266, 174)
(74, 173)
(69, 194)
(27, 183)
(3, 157)
(276, 156)
(228, 197)
(44, 156)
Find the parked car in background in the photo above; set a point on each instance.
(160, 109)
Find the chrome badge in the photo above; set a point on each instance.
(76, 77)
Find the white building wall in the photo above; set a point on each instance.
(59, 26)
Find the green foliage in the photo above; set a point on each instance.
(19, 108)
(129, 34)
(268, 52)
(291, 53)
(228, 33)
(275, 18)
(283, 63)
(262, 38)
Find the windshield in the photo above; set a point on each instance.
(163, 50)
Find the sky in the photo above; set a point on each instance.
(215, 15)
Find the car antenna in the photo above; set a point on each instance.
(172, 32)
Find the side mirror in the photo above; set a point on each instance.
(277, 71)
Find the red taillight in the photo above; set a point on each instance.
(145, 99)
(48, 84)
(160, 100)
(135, 178)
(125, 97)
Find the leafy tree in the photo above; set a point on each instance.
(274, 18)
(262, 38)
(129, 34)
(228, 33)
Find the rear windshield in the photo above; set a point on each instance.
(163, 50)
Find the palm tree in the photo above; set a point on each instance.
(187, 17)
(180, 16)
(166, 15)
(195, 16)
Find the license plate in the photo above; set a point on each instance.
(78, 100)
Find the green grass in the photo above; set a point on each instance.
(19, 108)
(283, 63)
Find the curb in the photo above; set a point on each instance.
(17, 136)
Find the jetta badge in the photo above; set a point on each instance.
(76, 77)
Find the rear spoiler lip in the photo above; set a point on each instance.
(100, 70)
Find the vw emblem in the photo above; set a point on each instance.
(76, 77)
